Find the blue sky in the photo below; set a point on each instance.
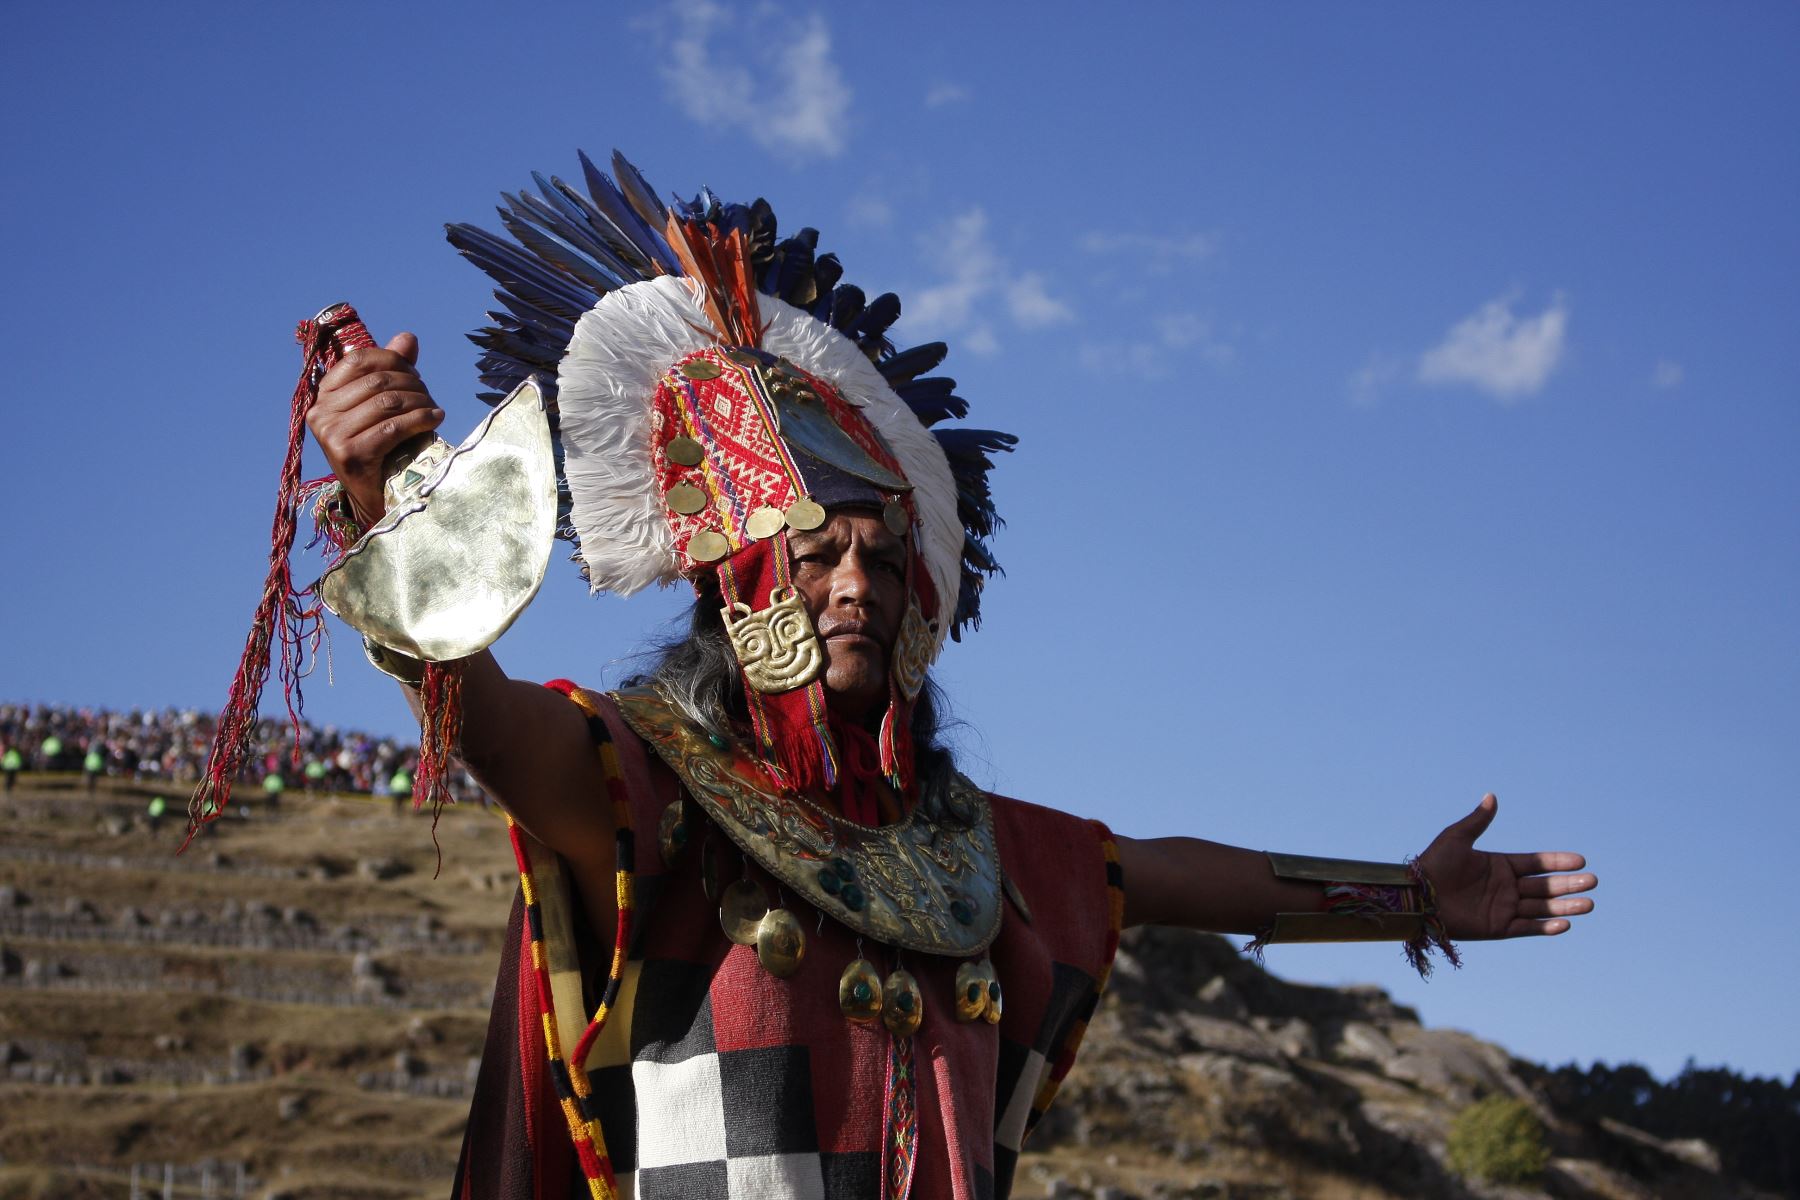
(1409, 401)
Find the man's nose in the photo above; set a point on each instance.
(854, 581)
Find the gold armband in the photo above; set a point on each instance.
(1363, 902)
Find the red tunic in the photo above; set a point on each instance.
(714, 1078)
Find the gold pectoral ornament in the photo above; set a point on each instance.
(777, 648)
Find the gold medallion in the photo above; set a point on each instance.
(701, 368)
(708, 547)
(893, 515)
(805, 514)
(914, 648)
(685, 499)
(672, 831)
(685, 452)
(777, 648)
(764, 523)
(780, 943)
(741, 911)
(859, 992)
(902, 1007)
(971, 992)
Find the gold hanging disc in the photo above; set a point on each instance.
(764, 523)
(685, 452)
(859, 992)
(708, 547)
(701, 368)
(780, 943)
(971, 992)
(805, 514)
(902, 1007)
(672, 832)
(685, 499)
(994, 1005)
(893, 514)
(741, 911)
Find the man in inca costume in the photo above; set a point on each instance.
(769, 943)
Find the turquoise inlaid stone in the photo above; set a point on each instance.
(994, 991)
(852, 896)
(863, 992)
(843, 867)
(904, 1002)
(961, 912)
(829, 881)
(717, 741)
(974, 992)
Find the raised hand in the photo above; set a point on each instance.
(1484, 896)
(369, 403)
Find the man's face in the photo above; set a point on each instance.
(851, 575)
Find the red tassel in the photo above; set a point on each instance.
(280, 614)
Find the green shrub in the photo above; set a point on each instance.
(1498, 1140)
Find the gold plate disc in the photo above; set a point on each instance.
(741, 911)
(685, 499)
(971, 992)
(859, 992)
(893, 514)
(708, 547)
(995, 1006)
(902, 1008)
(765, 523)
(701, 368)
(805, 514)
(685, 452)
(780, 943)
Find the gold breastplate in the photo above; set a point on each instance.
(915, 884)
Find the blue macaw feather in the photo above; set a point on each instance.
(908, 365)
(644, 237)
(593, 281)
(827, 270)
(508, 264)
(933, 400)
(846, 306)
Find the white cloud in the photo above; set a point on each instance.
(977, 284)
(1153, 253)
(1667, 375)
(1032, 305)
(940, 94)
(1179, 337)
(870, 211)
(1374, 377)
(732, 71)
(1496, 352)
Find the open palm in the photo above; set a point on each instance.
(1484, 896)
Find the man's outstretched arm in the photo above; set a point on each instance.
(1228, 889)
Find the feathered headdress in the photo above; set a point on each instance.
(716, 386)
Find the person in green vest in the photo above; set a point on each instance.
(93, 766)
(315, 774)
(155, 810)
(10, 764)
(273, 785)
(49, 752)
(400, 787)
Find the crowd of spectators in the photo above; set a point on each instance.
(172, 744)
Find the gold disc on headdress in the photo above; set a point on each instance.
(893, 514)
(805, 514)
(685, 452)
(685, 499)
(741, 911)
(764, 523)
(708, 547)
(701, 368)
